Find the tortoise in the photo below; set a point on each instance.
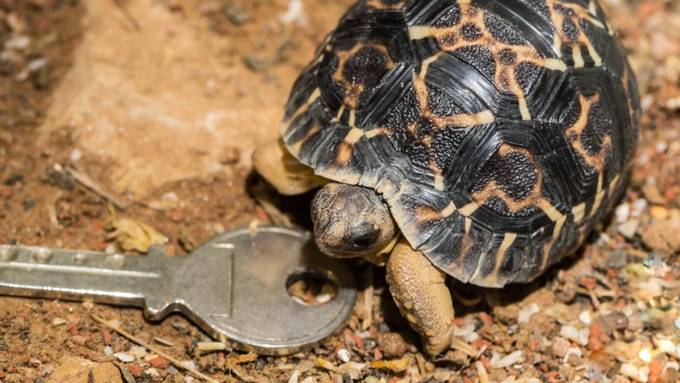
(479, 139)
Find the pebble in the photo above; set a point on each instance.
(579, 336)
(677, 323)
(343, 355)
(159, 362)
(123, 357)
(585, 317)
(152, 372)
(645, 355)
(560, 347)
(666, 346)
(18, 42)
(391, 344)
(108, 351)
(507, 361)
(58, 321)
(614, 321)
(639, 206)
(629, 228)
(622, 213)
(137, 351)
(76, 155)
(525, 314)
(572, 351)
(36, 65)
(629, 370)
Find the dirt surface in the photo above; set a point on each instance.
(156, 106)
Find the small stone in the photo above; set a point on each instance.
(138, 352)
(72, 370)
(614, 321)
(58, 321)
(455, 357)
(652, 194)
(579, 336)
(560, 346)
(526, 313)
(76, 155)
(638, 207)
(622, 213)
(629, 228)
(666, 346)
(123, 357)
(343, 355)
(617, 260)
(108, 351)
(645, 355)
(18, 43)
(106, 373)
(506, 361)
(135, 370)
(629, 370)
(152, 373)
(392, 344)
(236, 14)
(659, 212)
(677, 323)
(46, 369)
(230, 155)
(159, 362)
(589, 283)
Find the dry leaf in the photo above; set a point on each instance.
(131, 235)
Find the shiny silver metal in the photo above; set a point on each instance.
(234, 286)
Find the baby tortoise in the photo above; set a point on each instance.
(481, 139)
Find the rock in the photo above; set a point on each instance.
(560, 346)
(106, 373)
(124, 357)
(653, 195)
(392, 344)
(77, 370)
(663, 235)
(159, 362)
(629, 228)
(71, 370)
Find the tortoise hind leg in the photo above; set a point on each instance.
(290, 177)
(419, 290)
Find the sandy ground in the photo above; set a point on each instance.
(159, 104)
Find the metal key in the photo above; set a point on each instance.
(234, 286)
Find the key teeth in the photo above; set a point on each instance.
(156, 309)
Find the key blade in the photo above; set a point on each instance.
(39, 272)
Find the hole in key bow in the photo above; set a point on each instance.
(311, 288)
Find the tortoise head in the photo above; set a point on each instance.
(351, 221)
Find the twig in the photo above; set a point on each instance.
(93, 185)
(368, 299)
(465, 348)
(482, 374)
(263, 199)
(154, 349)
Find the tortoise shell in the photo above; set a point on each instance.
(498, 131)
